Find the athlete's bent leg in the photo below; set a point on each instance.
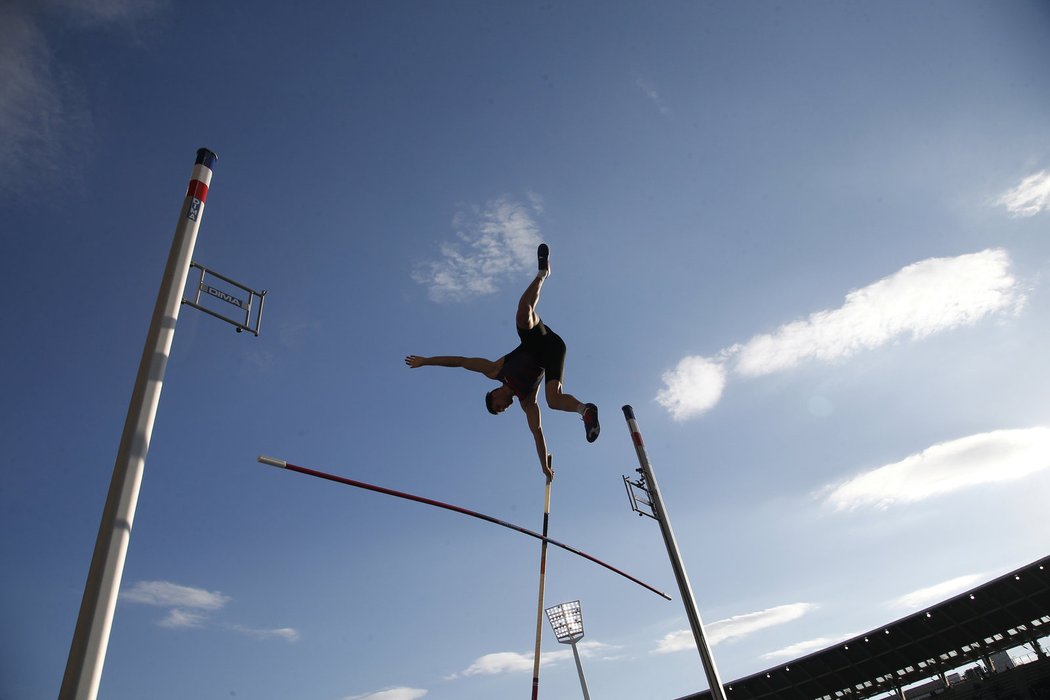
(526, 316)
(559, 400)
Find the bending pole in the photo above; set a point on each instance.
(281, 464)
(543, 579)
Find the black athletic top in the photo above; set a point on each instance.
(541, 351)
(521, 371)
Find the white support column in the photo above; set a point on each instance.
(684, 587)
(87, 653)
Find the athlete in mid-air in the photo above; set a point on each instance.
(541, 353)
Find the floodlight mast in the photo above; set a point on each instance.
(567, 622)
(579, 670)
(660, 514)
(87, 653)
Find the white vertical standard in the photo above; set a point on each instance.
(87, 654)
(657, 503)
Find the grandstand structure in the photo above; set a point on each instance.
(948, 650)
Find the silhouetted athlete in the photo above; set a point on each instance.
(541, 353)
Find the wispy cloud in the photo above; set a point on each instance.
(921, 299)
(985, 458)
(90, 12)
(286, 633)
(391, 694)
(650, 91)
(32, 109)
(514, 662)
(178, 618)
(734, 627)
(925, 597)
(43, 119)
(1029, 197)
(802, 648)
(492, 243)
(172, 595)
(924, 298)
(505, 662)
(190, 607)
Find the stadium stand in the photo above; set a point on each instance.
(955, 650)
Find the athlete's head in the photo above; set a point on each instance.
(497, 400)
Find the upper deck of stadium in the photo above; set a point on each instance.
(1007, 612)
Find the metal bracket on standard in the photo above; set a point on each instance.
(638, 494)
(232, 293)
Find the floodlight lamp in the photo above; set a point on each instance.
(567, 621)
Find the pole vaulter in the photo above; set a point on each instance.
(281, 464)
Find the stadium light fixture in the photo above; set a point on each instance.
(567, 622)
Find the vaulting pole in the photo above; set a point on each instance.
(543, 579)
(87, 653)
(281, 464)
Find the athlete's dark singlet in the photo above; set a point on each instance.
(521, 371)
(541, 351)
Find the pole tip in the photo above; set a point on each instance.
(273, 462)
(206, 158)
(628, 412)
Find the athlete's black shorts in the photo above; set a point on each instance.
(547, 347)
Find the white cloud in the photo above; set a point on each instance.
(692, 387)
(924, 597)
(924, 298)
(507, 662)
(593, 649)
(167, 594)
(794, 651)
(514, 662)
(675, 641)
(190, 607)
(536, 202)
(734, 627)
(743, 625)
(178, 618)
(491, 244)
(1030, 197)
(391, 694)
(919, 300)
(286, 633)
(985, 458)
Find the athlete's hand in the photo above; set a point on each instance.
(548, 470)
(415, 361)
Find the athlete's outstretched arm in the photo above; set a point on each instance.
(474, 364)
(532, 415)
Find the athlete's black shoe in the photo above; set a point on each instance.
(543, 257)
(590, 422)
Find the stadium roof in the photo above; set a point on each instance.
(1006, 612)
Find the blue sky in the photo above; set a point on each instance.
(808, 242)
